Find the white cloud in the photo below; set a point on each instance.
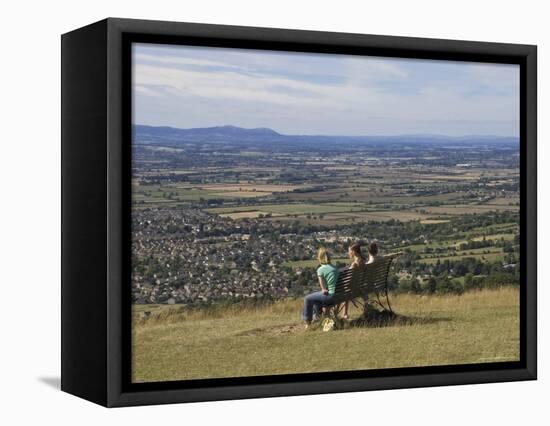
(315, 93)
(176, 60)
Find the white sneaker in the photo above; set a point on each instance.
(328, 324)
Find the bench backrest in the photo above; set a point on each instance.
(358, 281)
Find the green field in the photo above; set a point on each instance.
(492, 256)
(174, 343)
(289, 208)
(313, 263)
(449, 247)
(330, 207)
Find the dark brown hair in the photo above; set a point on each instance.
(373, 249)
(356, 249)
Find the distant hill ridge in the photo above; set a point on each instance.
(144, 134)
(206, 133)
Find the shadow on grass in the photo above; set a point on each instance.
(372, 319)
(376, 318)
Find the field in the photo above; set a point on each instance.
(178, 194)
(484, 255)
(333, 195)
(446, 250)
(174, 343)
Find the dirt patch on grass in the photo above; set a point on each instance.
(277, 330)
(373, 319)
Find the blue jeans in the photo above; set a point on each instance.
(313, 303)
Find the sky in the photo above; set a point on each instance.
(321, 94)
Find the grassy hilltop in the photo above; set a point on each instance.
(178, 344)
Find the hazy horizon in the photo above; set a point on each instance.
(335, 135)
(297, 93)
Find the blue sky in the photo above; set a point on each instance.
(304, 93)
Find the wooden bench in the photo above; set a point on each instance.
(354, 283)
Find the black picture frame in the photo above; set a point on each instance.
(96, 135)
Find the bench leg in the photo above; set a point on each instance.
(379, 302)
(358, 304)
(388, 301)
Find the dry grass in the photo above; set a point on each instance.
(175, 343)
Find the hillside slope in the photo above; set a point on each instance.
(172, 344)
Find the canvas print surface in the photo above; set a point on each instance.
(299, 213)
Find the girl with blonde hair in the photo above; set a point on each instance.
(328, 276)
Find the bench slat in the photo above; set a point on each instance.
(356, 282)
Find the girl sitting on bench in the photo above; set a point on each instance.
(357, 258)
(328, 276)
